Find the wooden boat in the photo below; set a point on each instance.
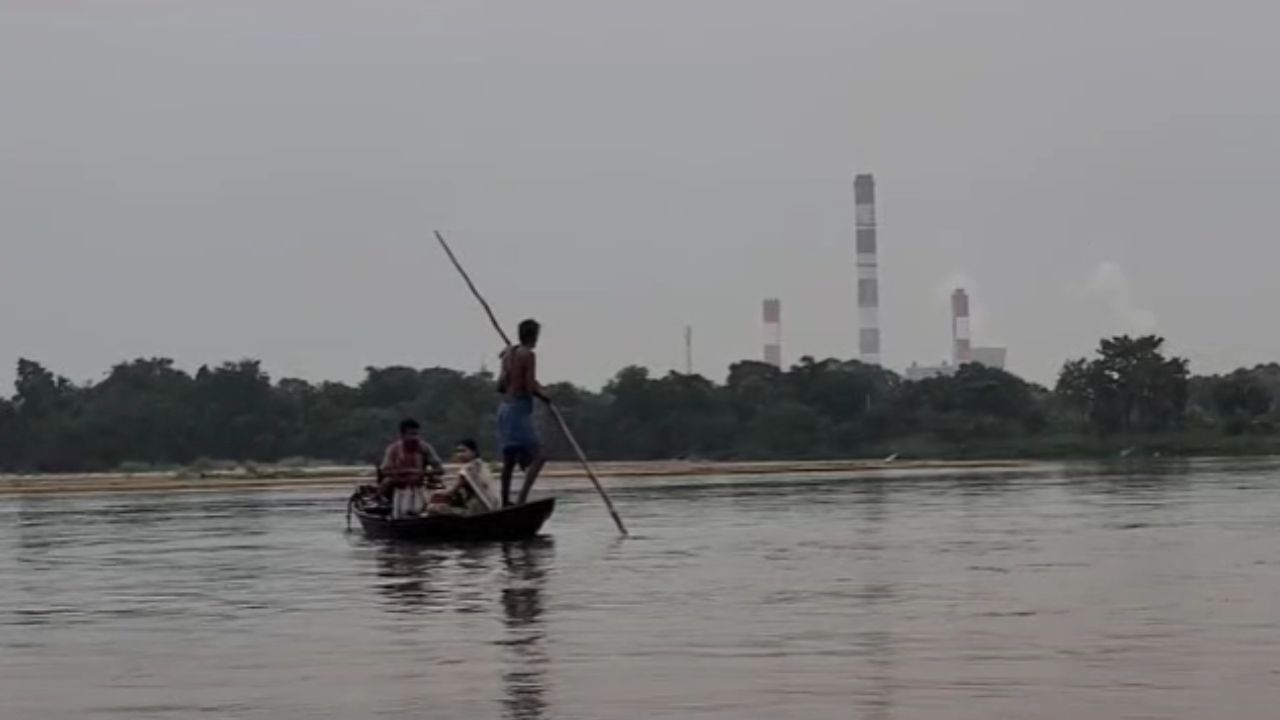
(518, 522)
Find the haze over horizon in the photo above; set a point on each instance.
(216, 181)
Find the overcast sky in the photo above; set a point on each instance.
(210, 180)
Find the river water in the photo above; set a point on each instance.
(1076, 592)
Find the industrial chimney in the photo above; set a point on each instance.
(962, 345)
(773, 332)
(864, 197)
(688, 349)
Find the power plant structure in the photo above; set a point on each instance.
(773, 332)
(962, 350)
(864, 198)
(990, 356)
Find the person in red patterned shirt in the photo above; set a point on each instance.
(409, 460)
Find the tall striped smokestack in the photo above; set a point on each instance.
(864, 197)
(688, 349)
(773, 332)
(962, 346)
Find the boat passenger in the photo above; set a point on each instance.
(518, 382)
(473, 492)
(406, 464)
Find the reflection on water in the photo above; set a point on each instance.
(404, 572)
(525, 678)
(875, 595)
(410, 576)
(1127, 591)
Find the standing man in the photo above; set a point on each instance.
(518, 383)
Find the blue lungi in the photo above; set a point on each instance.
(515, 425)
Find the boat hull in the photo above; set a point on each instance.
(518, 522)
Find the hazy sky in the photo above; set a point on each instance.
(219, 179)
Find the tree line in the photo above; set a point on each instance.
(147, 412)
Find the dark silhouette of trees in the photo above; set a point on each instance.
(148, 412)
(1243, 401)
(1130, 386)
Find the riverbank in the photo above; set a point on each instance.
(341, 477)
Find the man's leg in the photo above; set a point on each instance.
(532, 466)
(508, 467)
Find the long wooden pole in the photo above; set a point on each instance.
(555, 411)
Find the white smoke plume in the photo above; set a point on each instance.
(1109, 283)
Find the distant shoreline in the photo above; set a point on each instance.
(557, 474)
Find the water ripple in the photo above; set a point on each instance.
(1089, 593)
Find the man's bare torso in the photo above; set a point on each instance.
(519, 373)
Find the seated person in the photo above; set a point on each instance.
(407, 463)
(473, 492)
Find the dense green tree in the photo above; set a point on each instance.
(976, 403)
(9, 441)
(141, 410)
(45, 423)
(236, 408)
(148, 411)
(1242, 401)
(841, 391)
(1129, 387)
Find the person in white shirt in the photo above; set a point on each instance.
(473, 492)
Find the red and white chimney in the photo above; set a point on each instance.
(773, 332)
(962, 345)
(864, 198)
